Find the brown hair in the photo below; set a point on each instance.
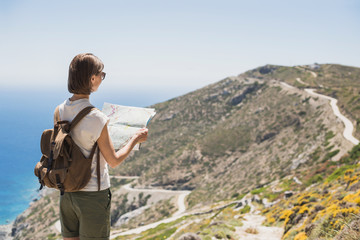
(81, 68)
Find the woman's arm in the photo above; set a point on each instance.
(107, 148)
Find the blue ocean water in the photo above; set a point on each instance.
(18, 152)
(23, 117)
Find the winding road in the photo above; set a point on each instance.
(180, 199)
(349, 127)
(176, 215)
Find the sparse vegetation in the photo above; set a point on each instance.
(324, 210)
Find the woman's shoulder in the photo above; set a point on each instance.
(97, 114)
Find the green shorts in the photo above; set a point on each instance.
(85, 214)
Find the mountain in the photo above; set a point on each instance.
(251, 136)
(243, 132)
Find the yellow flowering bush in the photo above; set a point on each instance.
(285, 214)
(300, 236)
(353, 198)
(303, 210)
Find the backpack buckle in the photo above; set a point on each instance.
(59, 185)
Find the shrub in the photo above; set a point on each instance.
(258, 190)
(330, 155)
(314, 179)
(245, 209)
(339, 172)
(300, 236)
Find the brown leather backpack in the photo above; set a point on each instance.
(62, 165)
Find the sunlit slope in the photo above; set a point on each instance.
(240, 133)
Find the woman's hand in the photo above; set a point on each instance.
(107, 148)
(141, 135)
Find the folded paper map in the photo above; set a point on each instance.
(125, 122)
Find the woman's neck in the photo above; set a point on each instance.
(79, 96)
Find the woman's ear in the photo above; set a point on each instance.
(92, 81)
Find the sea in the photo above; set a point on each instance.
(24, 114)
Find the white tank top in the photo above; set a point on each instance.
(85, 134)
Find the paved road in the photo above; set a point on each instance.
(176, 215)
(180, 199)
(349, 127)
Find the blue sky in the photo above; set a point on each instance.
(168, 46)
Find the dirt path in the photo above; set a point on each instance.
(253, 222)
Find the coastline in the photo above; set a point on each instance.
(6, 230)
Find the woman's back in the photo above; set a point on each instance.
(85, 135)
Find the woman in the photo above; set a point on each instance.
(86, 214)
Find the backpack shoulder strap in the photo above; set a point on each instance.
(80, 116)
(56, 115)
(98, 168)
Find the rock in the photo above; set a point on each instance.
(297, 180)
(238, 99)
(17, 228)
(266, 136)
(5, 231)
(257, 199)
(288, 194)
(318, 208)
(211, 97)
(268, 204)
(189, 236)
(267, 69)
(168, 116)
(238, 205)
(225, 93)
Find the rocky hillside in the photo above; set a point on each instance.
(240, 133)
(326, 206)
(323, 204)
(338, 81)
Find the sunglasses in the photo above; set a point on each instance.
(103, 74)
